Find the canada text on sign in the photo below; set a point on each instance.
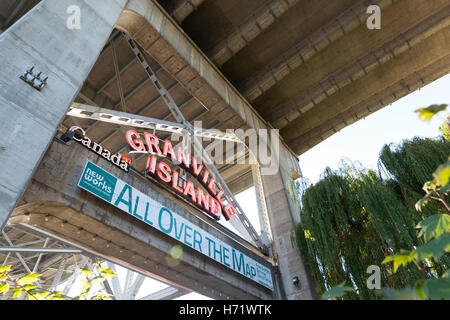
(130, 200)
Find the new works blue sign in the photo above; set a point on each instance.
(130, 200)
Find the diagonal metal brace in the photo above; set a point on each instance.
(238, 220)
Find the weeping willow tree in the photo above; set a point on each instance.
(353, 218)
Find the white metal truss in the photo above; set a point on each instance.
(84, 111)
(239, 221)
(60, 263)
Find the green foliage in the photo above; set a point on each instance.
(337, 291)
(401, 259)
(434, 226)
(445, 129)
(353, 218)
(26, 284)
(428, 112)
(433, 249)
(437, 289)
(437, 188)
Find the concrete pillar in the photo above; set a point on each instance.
(283, 216)
(29, 118)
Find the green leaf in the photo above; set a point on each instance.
(40, 295)
(424, 201)
(337, 291)
(97, 263)
(28, 279)
(5, 269)
(17, 292)
(442, 174)
(400, 259)
(4, 287)
(435, 248)
(419, 290)
(86, 271)
(434, 226)
(85, 285)
(408, 293)
(106, 272)
(56, 296)
(428, 113)
(101, 296)
(98, 279)
(437, 289)
(29, 287)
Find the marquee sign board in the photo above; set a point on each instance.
(133, 202)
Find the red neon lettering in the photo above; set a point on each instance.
(196, 169)
(164, 172)
(175, 182)
(151, 164)
(215, 208)
(183, 157)
(203, 199)
(189, 188)
(205, 176)
(169, 149)
(229, 210)
(135, 144)
(219, 196)
(152, 142)
(212, 186)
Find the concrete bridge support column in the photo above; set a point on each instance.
(62, 52)
(283, 216)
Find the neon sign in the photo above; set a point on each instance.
(206, 196)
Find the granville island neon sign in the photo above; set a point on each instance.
(206, 197)
(210, 201)
(118, 193)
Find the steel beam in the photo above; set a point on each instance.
(38, 250)
(132, 120)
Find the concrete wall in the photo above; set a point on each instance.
(29, 118)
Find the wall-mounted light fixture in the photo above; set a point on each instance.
(296, 282)
(66, 137)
